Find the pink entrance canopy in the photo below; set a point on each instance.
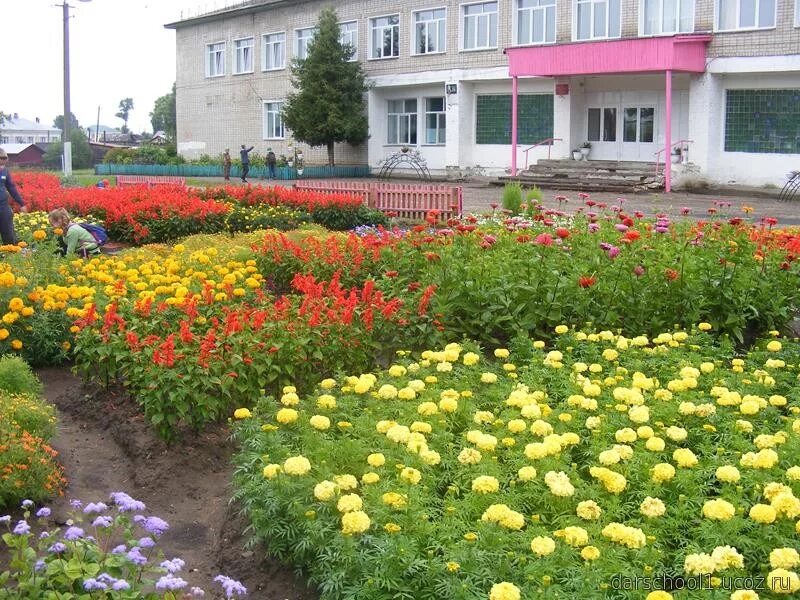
(685, 53)
(679, 53)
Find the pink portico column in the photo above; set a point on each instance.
(513, 126)
(668, 136)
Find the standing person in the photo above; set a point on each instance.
(7, 188)
(271, 163)
(245, 154)
(226, 164)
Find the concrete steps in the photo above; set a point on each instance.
(592, 175)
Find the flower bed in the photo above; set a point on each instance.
(550, 472)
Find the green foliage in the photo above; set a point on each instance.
(163, 116)
(534, 194)
(47, 560)
(146, 154)
(125, 108)
(343, 218)
(512, 198)
(58, 122)
(329, 105)
(16, 376)
(81, 151)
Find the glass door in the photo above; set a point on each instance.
(602, 132)
(637, 132)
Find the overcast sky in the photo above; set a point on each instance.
(118, 49)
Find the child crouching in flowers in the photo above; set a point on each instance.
(74, 238)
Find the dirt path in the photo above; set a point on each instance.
(105, 446)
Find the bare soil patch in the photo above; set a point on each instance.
(105, 446)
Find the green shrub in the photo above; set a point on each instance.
(337, 218)
(512, 197)
(16, 376)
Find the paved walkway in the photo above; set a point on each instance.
(479, 196)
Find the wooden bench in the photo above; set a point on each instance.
(149, 180)
(403, 200)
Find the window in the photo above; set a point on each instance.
(4, 139)
(402, 122)
(274, 49)
(762, 121)
(19, 140)
(435, 121)
(304, 37)
(385, 36)
(667, 16)
(429, 31)
(797, 13)
(602, 125)
(244, 55)
(348, 36)
(597, 19)
(637, 125)
(536, 21)
(215, 59)
(493, 118)
(480, 26)
(30, 139)
(745, 14)
(273, 121)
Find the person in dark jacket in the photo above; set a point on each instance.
(244, 153)
(226, 164)
(7, 187)
(271, 160)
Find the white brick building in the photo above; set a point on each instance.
(442, 80)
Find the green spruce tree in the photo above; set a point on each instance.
(328, 104)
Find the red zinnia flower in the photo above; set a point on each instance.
(587, 281)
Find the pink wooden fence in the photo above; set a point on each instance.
(407, 201)
(149, 180)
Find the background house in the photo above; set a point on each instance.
(24, 155)
(16, 130)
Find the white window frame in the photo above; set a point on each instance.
(441, 44)
(306, 41)
(660, 10)
(797, 13)
(408, 116)
(278, 115)
(463, 26)
(593, 35)
(549, 27)
(718, 16)
(239, 52)
(373, 27)
(212, 48)
(353, 41)
(440, 114)
(267, 50)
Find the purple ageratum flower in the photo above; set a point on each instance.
(91, 585)
(22, 528)
(121, 549)
(39, 565)
(43, 512)
(95, 507)
(57, 548)
(76, 503)
(170, 582)
(5, 519)
(44, 535)
(135, 556)
(74, 533)
(155, 525)
(230, 586)
(102, 521)
(196, 592)
(174, 565)
(120, 585)
(107, 579)
(146, 542)
(125, 503)
(27, 503)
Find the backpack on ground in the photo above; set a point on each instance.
(98, 233)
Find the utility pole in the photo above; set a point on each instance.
(67, 140)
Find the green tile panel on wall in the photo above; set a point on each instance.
(534, 118)
(762, 121)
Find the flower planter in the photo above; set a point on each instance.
(576, 155)
(585, 153)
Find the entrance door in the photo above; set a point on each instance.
(627, 125)
(602, 132)
(638, 130)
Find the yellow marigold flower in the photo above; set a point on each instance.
(326, 401)
(290, 399)
(376, 460)
(324, 490)
(448, 405)
(453, 566)
(574, 536)
(242, 413)
(590, 553)
(327, 384)
(517, 425)
(561, 329)
(728, 474)
(718, 510)
(699, 564)
(286, 416)
(394, 499)
(684, 457)
(392, 528)
(610, 354)
(704, 326)
(504, 591)
(763, 513)
(397, 370)
(271, 471)
(354, 522)
(559, 484)
(774, 346)
(470, 536)
(411, 475)
(406, 393)
(470, 359)
(781, 581)
(320, 422)
(662, 472)
(652, 507)
(485, 484)
(501, 353)
(469, 456)
(784, 558)
(349, 503)
(526, 473)
(786, 504)
(632, 537)
(488, 378)
(543, 545)
(727, 557)
(658, 595)
(793, 473)
(588, 510)
(655, 444)
(744, 595)
(387, 392)
(296, 465)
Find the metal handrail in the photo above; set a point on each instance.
(548, 141)
(662, 150)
